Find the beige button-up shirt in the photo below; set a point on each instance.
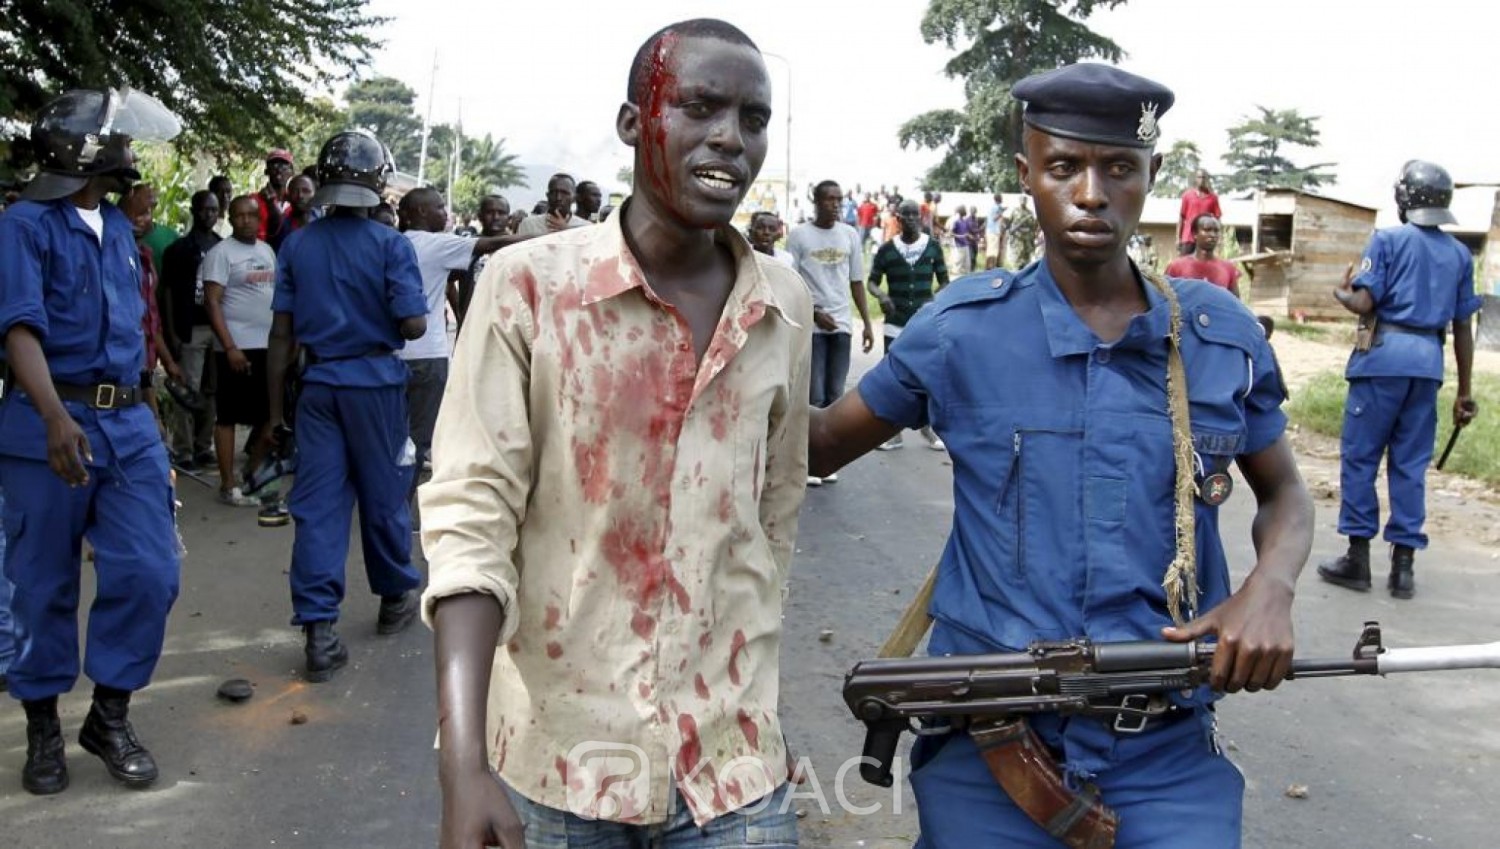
(633, 511)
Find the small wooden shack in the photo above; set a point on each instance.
(1302, 244)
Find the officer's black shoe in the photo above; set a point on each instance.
(107, 733)
(46, 769)
(326, 653)
(397, 612)
(1402, 583)
(1352, 570)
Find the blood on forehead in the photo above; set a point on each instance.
(660, 87)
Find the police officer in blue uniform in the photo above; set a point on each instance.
(348, 291)
(80, 454)
(1076, 459)
(1413, 282)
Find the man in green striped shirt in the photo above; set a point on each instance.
(912, 267)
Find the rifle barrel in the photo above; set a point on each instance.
(1481, 656)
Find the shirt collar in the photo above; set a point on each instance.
(1067, 334)
(607, 281)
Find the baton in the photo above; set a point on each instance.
(1458, 425)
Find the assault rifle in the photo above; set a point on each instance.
(1126, 683)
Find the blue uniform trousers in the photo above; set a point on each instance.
(125, 510)
(351, 446)
(1395, 418)
(1171, 788)
(7, 626)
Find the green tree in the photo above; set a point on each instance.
(1179, 169)
(1006, 41)
(229, 70)
(1257, 152)
(385, 107)
(484, 161)
(626, 176)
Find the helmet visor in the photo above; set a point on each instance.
(140, 116)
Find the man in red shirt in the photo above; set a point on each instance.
(1199, 200)
(868, 212)
(1203, 265)
(271, 201)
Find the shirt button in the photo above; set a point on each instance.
(1101, 356)
(1203, 319)
(683, 347)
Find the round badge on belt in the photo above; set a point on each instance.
(1215, 489)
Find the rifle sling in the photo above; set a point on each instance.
(1027, 773)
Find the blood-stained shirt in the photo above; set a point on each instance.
(633, 512)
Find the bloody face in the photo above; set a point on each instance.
(299, 191)
(244, 219)
(700, 133)
(138, 208)
(826, 204)
(1088, 196)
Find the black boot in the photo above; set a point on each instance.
(1351, 570)
(397, 612)
(107, 733)
(325, 651)
(1402, 583)
(46, 770)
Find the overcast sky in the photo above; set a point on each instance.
(1390, 81)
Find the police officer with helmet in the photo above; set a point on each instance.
(1413, 282)
(80, 453)
(349, 292)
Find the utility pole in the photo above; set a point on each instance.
(427, 121)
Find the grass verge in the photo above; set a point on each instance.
(1319, 407)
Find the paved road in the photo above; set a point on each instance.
(1408, 761)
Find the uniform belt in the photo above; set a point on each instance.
(314, 358)
(101, 396)
(1393, 327)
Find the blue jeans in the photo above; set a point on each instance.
(7, 625)
(830, 367)
(772, 823)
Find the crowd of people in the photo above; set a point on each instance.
(621, 428)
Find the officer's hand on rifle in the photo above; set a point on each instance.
(1255, 641)
(1465, 410)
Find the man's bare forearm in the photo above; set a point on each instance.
(1283, 527)
(466, 628)
(278, 358)
(1463, 352)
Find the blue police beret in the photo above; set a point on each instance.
(1095, 103)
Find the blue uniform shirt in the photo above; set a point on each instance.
(1420, 277)
(1062, 452)
(82, 298)
(348, 282)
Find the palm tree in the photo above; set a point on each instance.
(487, 161)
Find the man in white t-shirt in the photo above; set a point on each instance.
(239, 279)
(423, 219)
(765, 229)
(559, 210)
(830, 257)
